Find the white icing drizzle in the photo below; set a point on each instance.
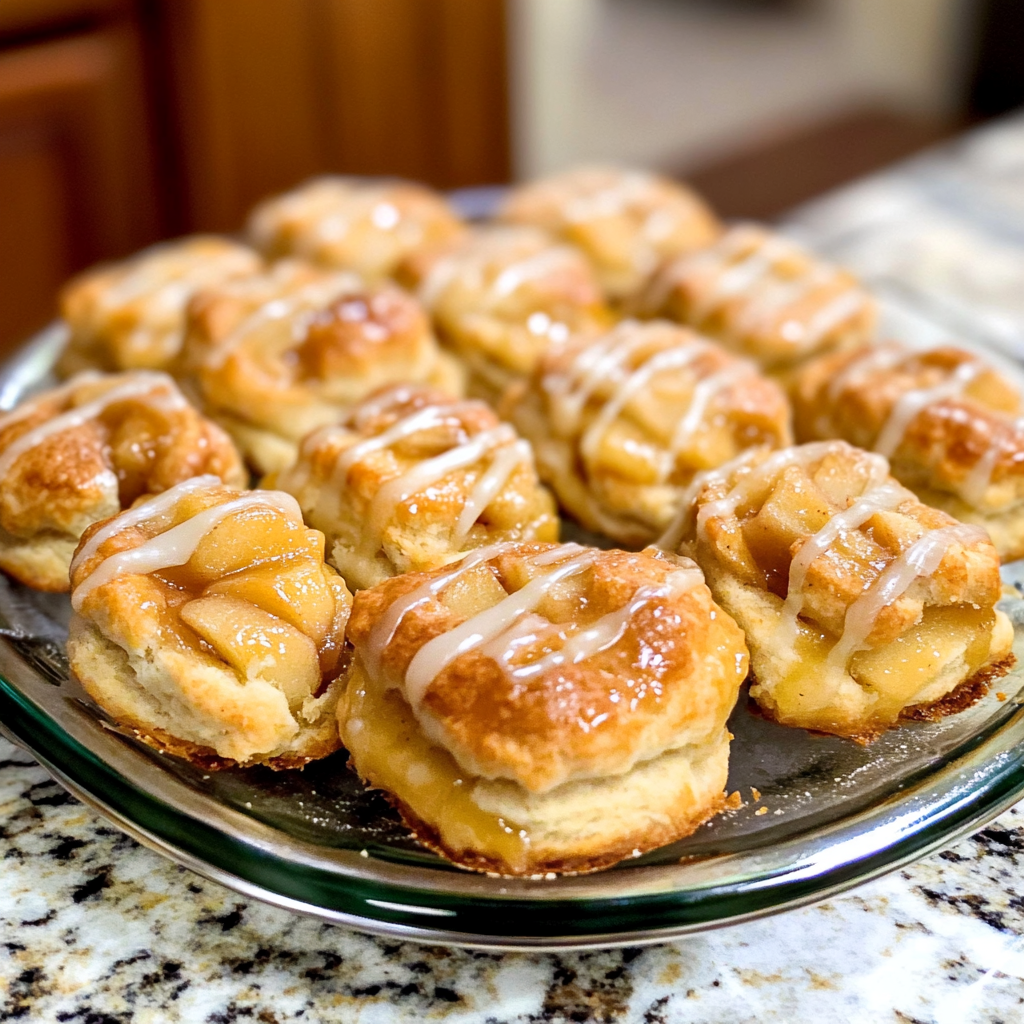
(176, 545)
(775, 463)
(922, 558)
(754, 272)
(152, 508)
(497, 474)
(880, 495)
(624, 190)
(421, 475)
(840, 309)
(136, 385)
(509, 452)
(746, 273)
(585, 643)
(471, 264)
(435, 655)
(384, 630)
(301, 305)
(911, 403)
(605, 361)
(703, 395)
(872, 360)
(167, 275)
(976, 484)
(628, 387)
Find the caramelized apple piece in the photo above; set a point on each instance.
(256, 644)
(473, 592)
(293, 590)
(248, 538)
(793, 510)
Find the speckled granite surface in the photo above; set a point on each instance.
(94, 929)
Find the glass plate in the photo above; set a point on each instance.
(831, 814)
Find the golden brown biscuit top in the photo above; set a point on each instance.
(657, 402)
(626, 221)
(125, 435)
(946, 417)
(827, 529)
(130, 315)
(541, 663)
(214, 313)
(359, 329)
(413, 456)
(224, 576)
(298, 362)
(770, 296)
(360, 225)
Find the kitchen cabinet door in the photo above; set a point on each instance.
(76, 170)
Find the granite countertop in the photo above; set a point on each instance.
(96, 929)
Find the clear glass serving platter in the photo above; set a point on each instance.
(831, 814)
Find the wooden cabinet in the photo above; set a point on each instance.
(238, 99)
(76, 174)
(267, 93)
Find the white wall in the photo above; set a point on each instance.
(659, 82)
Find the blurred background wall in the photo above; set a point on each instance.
(124, 121)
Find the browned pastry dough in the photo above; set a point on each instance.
(271, 371)
(622, 423)
(762, 296)
(208, 624)
(543, 707)
(860, 604)
(502, 297)
(352, 224)
(627, 222)
(950, 424)
(82, 452)
(131, 315)
(414, 479)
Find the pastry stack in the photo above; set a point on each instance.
(305, 492)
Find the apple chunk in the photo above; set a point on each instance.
(256, 644)
(293, 589)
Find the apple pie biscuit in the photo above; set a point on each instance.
(352, 224)
(413, 480)
(861, 606)
(82, 452)
(206, 622)
(502, 297)
(621, 424)
(544, 708)
(626, 222)
(762, 296)
(131, 315)
(271, 374)
(950, 424)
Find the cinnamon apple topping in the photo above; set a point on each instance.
(859, 602)
(222, 617)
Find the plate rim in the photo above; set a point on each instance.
(786, 886)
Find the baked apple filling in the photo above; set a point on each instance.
(860, 604)
(544, 707)
(215, 597)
